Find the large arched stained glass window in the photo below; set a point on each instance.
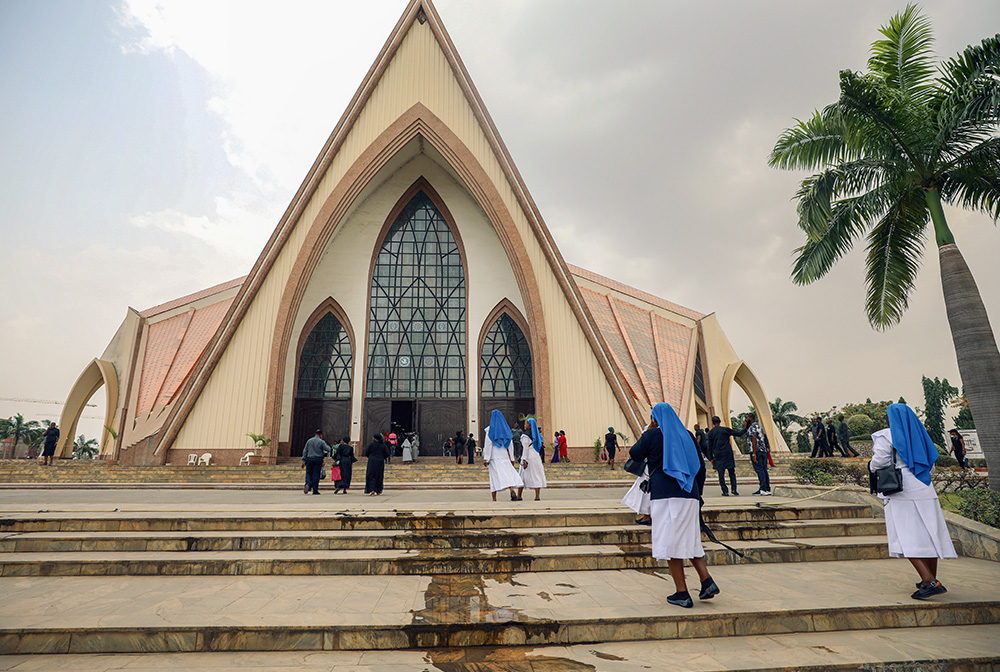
(416, 333)
(506, 361)
(325, 362)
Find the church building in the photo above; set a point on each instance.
(411, 283)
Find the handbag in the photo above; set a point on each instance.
(335, 474)
(887, 480)
(633, 467)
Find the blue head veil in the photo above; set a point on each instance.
(499, 433)
(912, 441)
(536, 435)
(680, 457)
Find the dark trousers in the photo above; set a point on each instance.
(472, 454)
(314, 466)
(763, 479)
(732, 479)
(823, 448)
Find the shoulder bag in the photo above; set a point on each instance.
(633, 467)
(888, 480)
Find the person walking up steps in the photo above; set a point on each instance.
(722, 453)
(532, 467)
(914, 524)
(758, 453)
(674, 467)
(343, 455)
(844, 434)
(377, 453)
(611, 445)
(470, 448)
(312, 461)
(496, 457)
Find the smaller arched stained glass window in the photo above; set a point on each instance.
(325, 362)
(506, 361)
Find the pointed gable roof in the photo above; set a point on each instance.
(421, 11)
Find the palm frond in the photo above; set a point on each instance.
(849, 218)
(847, 179)
(973, 64)
(973, 182)
(904, 59)
(814, 143)
(895, 247)
(886, 124)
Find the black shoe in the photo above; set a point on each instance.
(929, 589)
(681, 600)
(735, 494)
(725, 494)
(641, 521)
(754, 494)
(709, 589)
(305, 489)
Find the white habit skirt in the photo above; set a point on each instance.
(502, 472)
(916, 529)
(636, 499)
(676, 530)
(534, 475)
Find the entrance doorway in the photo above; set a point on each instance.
(402, 417)
(434, 420)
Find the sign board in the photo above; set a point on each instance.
(972, 447)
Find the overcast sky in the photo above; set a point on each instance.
(149, 149)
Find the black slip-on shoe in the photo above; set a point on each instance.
(928, 590)
(709, 589)
(681, 600)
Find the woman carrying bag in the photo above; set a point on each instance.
(343, 462)
(914, 523)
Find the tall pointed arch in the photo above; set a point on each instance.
(506, 365)
(323, 375)
(416, 343)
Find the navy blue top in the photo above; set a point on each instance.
(649, 447)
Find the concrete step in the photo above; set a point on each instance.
(145, 614)
(302, 540)
(552, 516)
(420, 561)
(966, 648)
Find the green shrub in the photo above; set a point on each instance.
(829, 472)
(957, 480)
(946, 461)
(982, 505)
(802, 443)
(860, 424)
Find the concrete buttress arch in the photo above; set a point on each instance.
(744, 376)
(96, 374)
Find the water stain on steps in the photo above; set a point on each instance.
(455, 599)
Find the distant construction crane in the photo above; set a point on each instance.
(39, 401)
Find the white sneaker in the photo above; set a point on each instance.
(766, 493)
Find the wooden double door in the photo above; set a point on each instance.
(434, 420)
(333, 416)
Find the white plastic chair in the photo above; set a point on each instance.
(246, 458)
(205, 459)
(192, 459)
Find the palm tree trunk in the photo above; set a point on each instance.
(976, 350)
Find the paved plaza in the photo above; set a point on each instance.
(445, 579)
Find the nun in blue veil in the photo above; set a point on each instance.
(675, 493)
(532, 464)
(497, 457)
(914, 523)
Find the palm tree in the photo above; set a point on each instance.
(784, 415)
(904, 138)
(19, 429)
(84, 448)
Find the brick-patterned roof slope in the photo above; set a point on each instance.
(606, 323)
(651, 350)
(174, 345)
(191, 298)
(634, 293)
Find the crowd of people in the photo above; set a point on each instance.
(671, 467)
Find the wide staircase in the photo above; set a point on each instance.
(431, 472)
(555, 585)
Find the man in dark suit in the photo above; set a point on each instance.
(722, 453)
